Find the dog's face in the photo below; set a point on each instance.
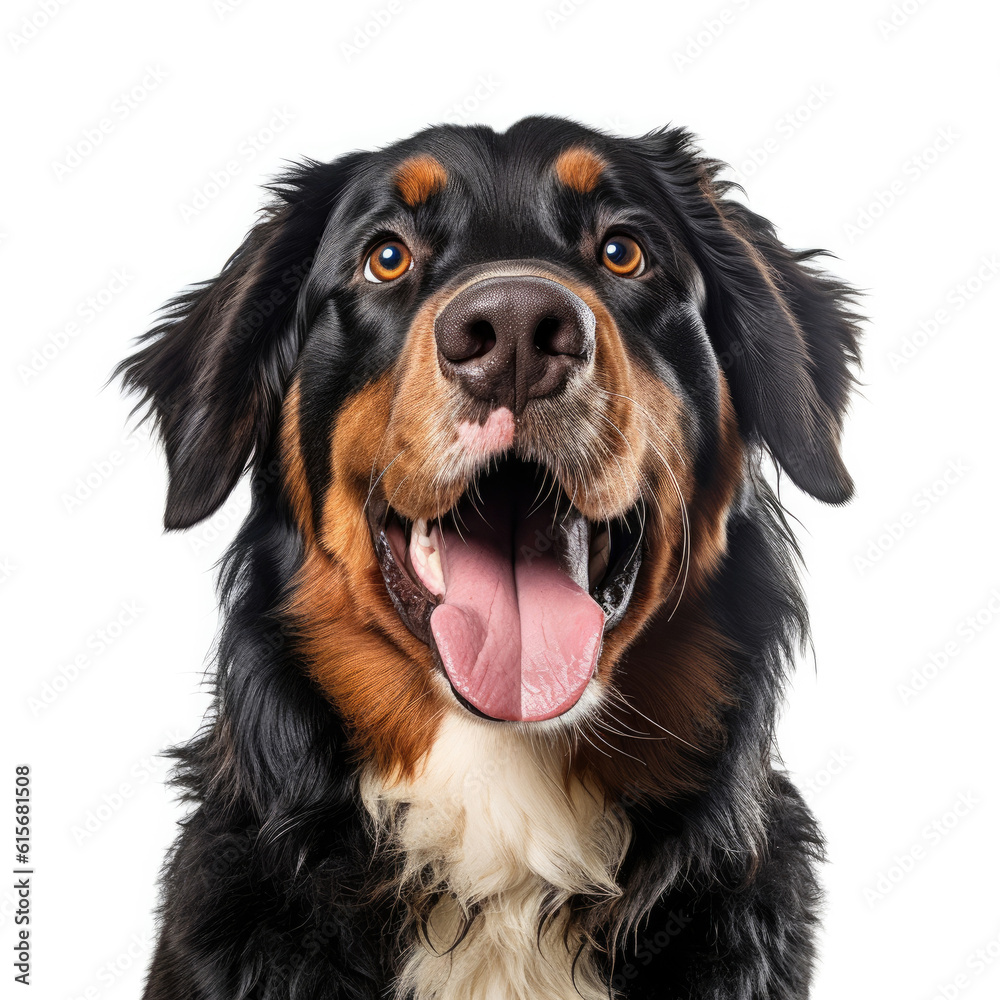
(538, 392)
(505, 385)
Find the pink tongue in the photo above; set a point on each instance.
(518, 638)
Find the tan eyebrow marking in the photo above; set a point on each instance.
(419, 177)
(580, 168)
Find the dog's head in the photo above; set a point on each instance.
(508, 386)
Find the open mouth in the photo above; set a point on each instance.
(512, 589)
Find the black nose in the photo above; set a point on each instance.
(511, 339)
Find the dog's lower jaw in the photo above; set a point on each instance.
(491, 825)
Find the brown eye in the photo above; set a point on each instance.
(623, 256)
(388, 261)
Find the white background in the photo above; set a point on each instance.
(140, 215)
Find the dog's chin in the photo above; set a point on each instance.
(513, 591)
(585, 707)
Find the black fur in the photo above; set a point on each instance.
(268, 891)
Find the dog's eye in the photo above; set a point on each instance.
(623, 256)
(388, 261)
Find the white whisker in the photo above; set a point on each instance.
(377, 481)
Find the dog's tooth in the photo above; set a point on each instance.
(598, 566)
(435, 581)
(600, 541)
(417, 552)
(426, 559)
(600, 555)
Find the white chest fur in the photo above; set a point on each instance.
(491, 825)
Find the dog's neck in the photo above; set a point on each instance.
(490, 832)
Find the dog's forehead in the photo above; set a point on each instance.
(508, 176)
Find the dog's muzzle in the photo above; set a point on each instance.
(508, 340)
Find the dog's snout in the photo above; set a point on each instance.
(512, 339)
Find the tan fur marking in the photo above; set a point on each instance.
(293, 466)
(419, 177)
(580, 168)
(355, 646)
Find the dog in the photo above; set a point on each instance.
(506, 625)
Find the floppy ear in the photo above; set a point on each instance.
(784, 331)
(213, 370)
